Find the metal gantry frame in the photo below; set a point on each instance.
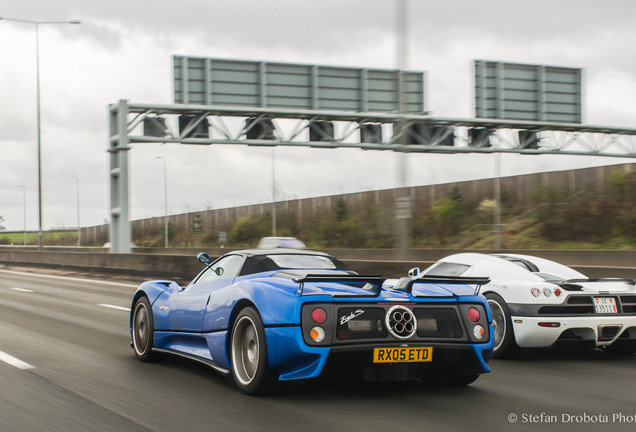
(408, 133)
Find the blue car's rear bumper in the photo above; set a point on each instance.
(293, 359)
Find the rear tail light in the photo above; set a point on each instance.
(558, 292)
(479, 332)
(549, 324)
(473, 315)
(319, 315)
(317, 334)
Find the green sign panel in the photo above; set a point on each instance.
(514, 91)
(242, 83)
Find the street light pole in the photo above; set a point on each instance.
(403, 211)
(24, 211)
(39, 123)
(78, 209)
(273, 192)
(37, 90)
(497, 202)
(165, 201)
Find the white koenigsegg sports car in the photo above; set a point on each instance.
(539, 303)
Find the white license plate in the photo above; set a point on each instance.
(603, 305)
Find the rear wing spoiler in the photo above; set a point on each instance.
(375, 280)
(626, 280)
(406, 284)
(574, 284)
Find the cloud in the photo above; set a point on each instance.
(123, 50)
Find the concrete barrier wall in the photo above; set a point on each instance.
(155, 266)
(182, 264)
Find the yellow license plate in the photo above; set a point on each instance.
(402, 355)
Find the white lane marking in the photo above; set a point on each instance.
(22, 290)
(14, 361)
(69, 278)
(114, 307)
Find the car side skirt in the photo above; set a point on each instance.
(205, 347)
(205, 361)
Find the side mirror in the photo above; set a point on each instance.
(203, 258)
(414, 272)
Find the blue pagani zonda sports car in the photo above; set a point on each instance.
(264, 316)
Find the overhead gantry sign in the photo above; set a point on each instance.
(240, 102)
(410, 133)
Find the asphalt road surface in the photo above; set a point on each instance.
(66, 365)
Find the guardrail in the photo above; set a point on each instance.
(182, 263)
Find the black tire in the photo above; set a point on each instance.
(452, 380)
(621, 348)
(143, 331)
(464, 380)
(503, 333)
(248, 354)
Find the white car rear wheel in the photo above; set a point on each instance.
(504, 336)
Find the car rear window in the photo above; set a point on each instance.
(448, 269)
(303, 262)
(263, 263)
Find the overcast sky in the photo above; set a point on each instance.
(124, 49)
